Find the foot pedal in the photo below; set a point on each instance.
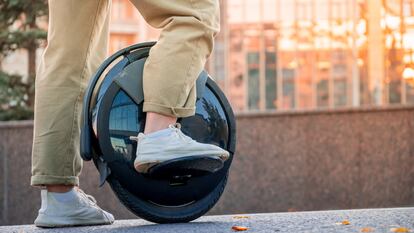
(198, 165)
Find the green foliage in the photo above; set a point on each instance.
(14, 97)
(19, 29)
(16, 39)
(18, 24)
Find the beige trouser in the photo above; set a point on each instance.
(77, 45)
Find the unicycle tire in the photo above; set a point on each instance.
(167, 214)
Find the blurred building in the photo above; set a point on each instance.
(299, 54)
(303, 54)
(127, 26)
(306, 54)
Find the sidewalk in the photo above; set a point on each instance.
(366, 220)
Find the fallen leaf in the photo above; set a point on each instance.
(239, 228)
(367, 229)
(345, 222)
(239, 217)
(400, 229)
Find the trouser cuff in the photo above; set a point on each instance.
(40, 180)
(169, 111)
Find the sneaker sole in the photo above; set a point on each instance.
(56, 222)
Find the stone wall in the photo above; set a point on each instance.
(293, 161)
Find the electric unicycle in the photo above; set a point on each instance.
(112, 112)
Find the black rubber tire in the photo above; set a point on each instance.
(161, 214)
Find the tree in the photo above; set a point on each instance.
(20, 29)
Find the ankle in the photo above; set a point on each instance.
(155, 122)
(59, 188)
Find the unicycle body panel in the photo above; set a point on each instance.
(113, 113)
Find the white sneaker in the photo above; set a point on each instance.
(171, 143)
(79, 209)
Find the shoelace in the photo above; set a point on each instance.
(87, 196)
(181, 135)
(92, 201)
(176, 127)
(136, 138)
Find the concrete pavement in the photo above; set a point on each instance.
(370, 220)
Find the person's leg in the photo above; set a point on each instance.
(186, 40)
(174, 63)
(77, 44)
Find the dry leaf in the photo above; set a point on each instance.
(239, 217)
(345, 222)
(367, 229)
(239, 228)
(400, 229)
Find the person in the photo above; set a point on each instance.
(77, 44)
